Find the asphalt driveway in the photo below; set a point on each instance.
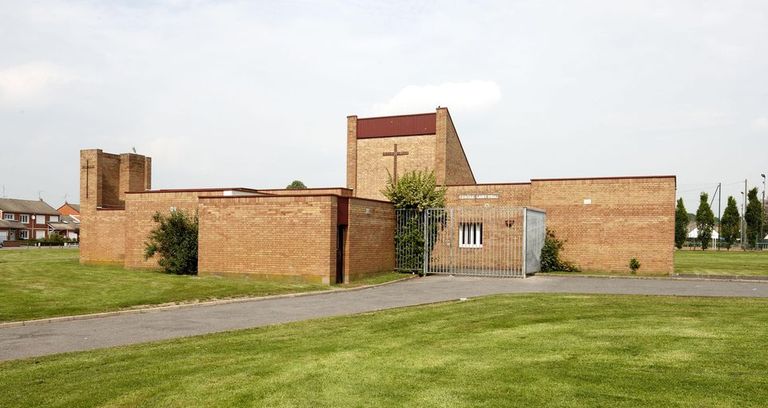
(40, 339)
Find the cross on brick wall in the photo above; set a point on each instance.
(87, 169)
(394, 153)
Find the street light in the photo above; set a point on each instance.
(743, 219)
(762, 225)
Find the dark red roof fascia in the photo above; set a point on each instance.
(403, 125)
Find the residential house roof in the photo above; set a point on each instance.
(66, 223)
(6, 224)
(75, 207)
(17, 206)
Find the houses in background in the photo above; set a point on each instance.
(35, 219)
(69, 223)
(72, 210)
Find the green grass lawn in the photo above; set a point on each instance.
(37, 283)
(517, 350)
(733, 262)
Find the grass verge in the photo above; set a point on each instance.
(38, 283)
(530, 350)
(724, 263)
(733, 262)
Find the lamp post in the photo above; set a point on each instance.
(742, 220)
(762, 225)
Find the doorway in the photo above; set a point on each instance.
(341, 234)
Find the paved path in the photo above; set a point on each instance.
(57, 337)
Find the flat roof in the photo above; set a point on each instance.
(605, 178)
(193, 190)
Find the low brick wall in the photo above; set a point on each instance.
(140, 208)
(270, 237)
(606, 222)
(102, 237)
(370, 238)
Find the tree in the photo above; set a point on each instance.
(417, 190)
(753, 217)
(174, 239)
(705, 221)
(729, 226)
(296, 185)
(681, 224)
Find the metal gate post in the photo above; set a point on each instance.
(524, 268)
(426, 243)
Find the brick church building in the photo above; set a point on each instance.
(343, 233)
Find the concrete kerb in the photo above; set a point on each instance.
(150, 309)
(679, 277)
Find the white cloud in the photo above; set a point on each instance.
(760, 124)
(27, 84)
(167, 149)
(458, 96)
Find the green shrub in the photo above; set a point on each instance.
(409, 242)
(174, 239)
(54, 239)
(634, 265)
(417, 190)
(550, 255)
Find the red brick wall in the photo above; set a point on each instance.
(269, 237)
(367, 168)
(134, 173)
(373, 167)
(102, 237)
(103, 180)
(506, 195)
(370, 245)
(352, 152)
(456, 166)
(108, 178)
(140, 208)
(627, 218)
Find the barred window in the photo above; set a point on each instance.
(470, 235)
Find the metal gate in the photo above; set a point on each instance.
(476, 241)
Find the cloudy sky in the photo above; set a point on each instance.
(255, 94)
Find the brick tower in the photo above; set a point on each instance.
(393, 145)
(105, 177)
(104, 180)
